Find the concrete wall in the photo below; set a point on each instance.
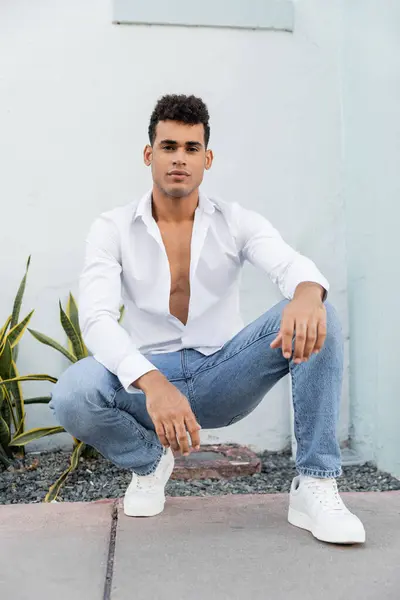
(76, 93)
(371, 61)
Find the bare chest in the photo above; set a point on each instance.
(177, 242)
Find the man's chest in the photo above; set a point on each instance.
(159, 260)
(177, 240)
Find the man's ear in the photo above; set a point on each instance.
(209, 159)
(148, 155)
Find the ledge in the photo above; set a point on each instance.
(223, 461)
(277, 15)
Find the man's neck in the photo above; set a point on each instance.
(174, 210)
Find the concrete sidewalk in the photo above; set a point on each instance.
(220, 548)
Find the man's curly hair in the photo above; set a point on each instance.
(185, 109)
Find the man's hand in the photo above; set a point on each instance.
(304, 316)
(170, 412)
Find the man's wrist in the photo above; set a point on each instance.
(310, 288)
(149, 380)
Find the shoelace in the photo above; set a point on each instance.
(326, 492)
(146, 482)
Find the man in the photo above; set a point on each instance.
(184, 360)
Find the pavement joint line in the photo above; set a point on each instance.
(111, 552)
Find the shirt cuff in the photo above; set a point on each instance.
(317, 278)
(131, 368)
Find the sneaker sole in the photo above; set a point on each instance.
(145, 511)
(303, 521)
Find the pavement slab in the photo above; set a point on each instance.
(58, 550)
(242, 547)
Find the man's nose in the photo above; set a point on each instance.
(179, 158)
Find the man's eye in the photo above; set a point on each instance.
(193, 149)
(168, 147)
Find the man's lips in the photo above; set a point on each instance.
(177, 173)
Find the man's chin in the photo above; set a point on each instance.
(178, 191)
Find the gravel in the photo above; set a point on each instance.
(96, 478)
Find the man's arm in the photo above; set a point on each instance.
(262, 245)
(99, 303)
(298, 278)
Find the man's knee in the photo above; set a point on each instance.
(78, 392)
(333, 346)
(333, 323)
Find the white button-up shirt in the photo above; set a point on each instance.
(126, 262)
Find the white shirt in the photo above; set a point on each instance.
(126, 262)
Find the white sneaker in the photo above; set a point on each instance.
(315, 505)
(145, 495)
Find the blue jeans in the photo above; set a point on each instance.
(91, 404)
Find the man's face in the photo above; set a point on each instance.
(178, 158)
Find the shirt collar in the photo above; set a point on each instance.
(144, 206)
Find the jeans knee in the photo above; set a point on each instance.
(334, 336)
(78, 395)
(333, 323)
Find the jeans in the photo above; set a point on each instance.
(91, 404)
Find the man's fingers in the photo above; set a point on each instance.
(193, 428)
(277, 343)
(321, 336)
(171, 436)
(301, 337)
(182, 437)
(311, 340)
(287, 330)
(160, 431)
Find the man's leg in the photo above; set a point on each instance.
(91, 404)
(229, 384)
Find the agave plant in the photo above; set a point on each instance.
(12, 402)
(70, 322)
(75, 351)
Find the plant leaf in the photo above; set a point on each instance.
(73, 313)
(71, 334)
(21, 425)
(39, 377)
(19, 297)
(5, 360)
(3, 330)
(68, 311)
(5, 434)
(8, 410)
(4, 458)
(16, 333)
(16, 391)
(55, 488)
(121, 313)
(35, 434)
(37, 400)
(53, 344)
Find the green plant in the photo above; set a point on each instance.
(75, 351)
(12, 402)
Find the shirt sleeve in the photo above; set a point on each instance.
(99, 307)
(262, 246)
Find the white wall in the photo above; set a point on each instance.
(76, 93)
(371, 66)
